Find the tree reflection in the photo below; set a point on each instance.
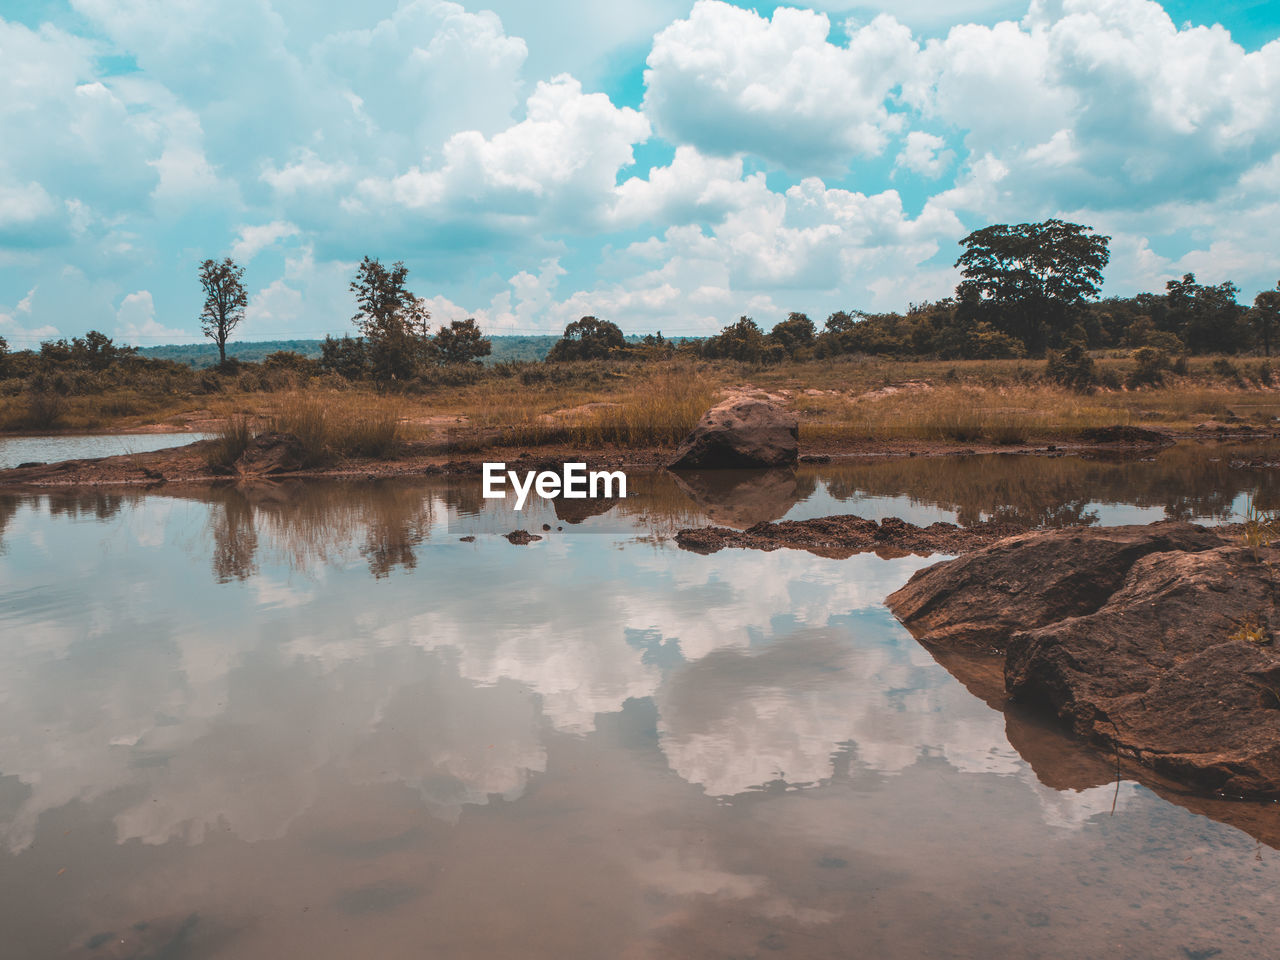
(305, 524)
(1187, 482)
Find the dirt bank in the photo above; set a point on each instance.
(1156, 642)
(190, 463)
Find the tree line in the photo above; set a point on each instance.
(1026, 290)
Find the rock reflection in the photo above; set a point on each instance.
(742, 498)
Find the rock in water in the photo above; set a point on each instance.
(1132, 635)
(740, 432)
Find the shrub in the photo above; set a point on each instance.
(1071, 367)
(1224, 368)
(1149, 365)
(230, 441)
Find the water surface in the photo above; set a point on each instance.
(308, 720)
(50, 449)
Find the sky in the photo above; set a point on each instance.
(665, 165)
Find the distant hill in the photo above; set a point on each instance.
(202, 355)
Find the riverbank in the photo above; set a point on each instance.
(462, 454)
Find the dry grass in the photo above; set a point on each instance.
(336, 425)
(230, 440)
(633, 404)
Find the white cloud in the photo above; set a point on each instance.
(728, 80)
(559, 163)
(254, 239)
(925, 154)
(136, 321)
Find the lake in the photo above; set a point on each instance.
(307, 719)
(50, 449)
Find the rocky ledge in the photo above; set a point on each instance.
(1157, 642)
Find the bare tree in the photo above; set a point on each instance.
(224, 301)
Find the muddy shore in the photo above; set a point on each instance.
(189, 463)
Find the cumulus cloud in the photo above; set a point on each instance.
(925, 154)
(136, 320)
(728, 81)
(254, 239)
(442, 136)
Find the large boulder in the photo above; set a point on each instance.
(740, 432)
(979, 600)
(1157, 642)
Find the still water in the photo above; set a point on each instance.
(309, 721)
(16, 450)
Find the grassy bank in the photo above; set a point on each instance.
(655, 404)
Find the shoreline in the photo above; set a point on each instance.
(188, 463)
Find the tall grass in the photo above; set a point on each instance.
(330, 426)
(230, 441)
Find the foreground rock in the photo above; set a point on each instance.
(844, 535)
(1133, 636)
(740, 432)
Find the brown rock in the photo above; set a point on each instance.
(740, 432)
(1130, 635)
(977, 600)
(521, 537)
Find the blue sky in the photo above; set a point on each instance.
(666, 165)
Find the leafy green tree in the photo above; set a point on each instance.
(224, 301)
(1264, 318)
(391, 320)
(4, 356)
(461, 342)
(794, 335)
(588, 338)
(1207, 318)
(345, 356)
(1031, 280)
(743, 340)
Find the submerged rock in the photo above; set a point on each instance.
(521, 537)
(740, 432)
(1155, 641)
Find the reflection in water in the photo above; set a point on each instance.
(742, 498)
(361, 736)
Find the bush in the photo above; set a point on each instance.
(1071, 367)
(1149, 365)
(1224, 368)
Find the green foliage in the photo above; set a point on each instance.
(460, 342)
(391, 320)
(1206, 318)
(1031, 280)
(1224, 368)
(1149, 366)
(588, 338)
(1264, 318)
(224, 301)
(794, 335)
(743, 341)
(985, 342)
(345, 356)
(1071, 367)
